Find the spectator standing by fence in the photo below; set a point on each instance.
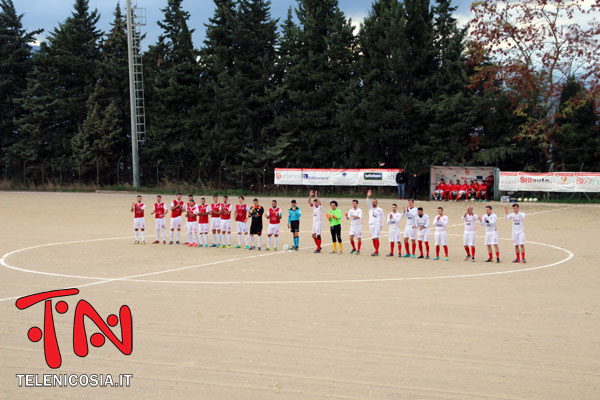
(413, 185)
(401, 181)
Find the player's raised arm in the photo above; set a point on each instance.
(132, 206)
(310, 196)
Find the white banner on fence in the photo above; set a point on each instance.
(457, 173)
(335, 177)
(570, 182)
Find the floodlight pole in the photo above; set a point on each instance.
(135, 161)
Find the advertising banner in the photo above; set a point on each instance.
(568, 182)
(335, 177)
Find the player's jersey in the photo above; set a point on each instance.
(464, 188)
(376, 215)
(274, 215)
(203, 219)
(482, 187)
(176, 212)
(317, 212)
(160, 210)
(440, 223)
(441, 186)
(518, 221)
(422, 221)
(470, 221)
(489, 221)
(455, 187)
(355, 217)
(215, 209)
(191, 211)
(393, 221)
(138, 210)
(242, 212)
(226, 207)
(410, 214)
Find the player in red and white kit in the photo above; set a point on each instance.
(440, 222)
(241, 216)
(463, 191)
(393, 221)
(376, 220)
(354, 215)
(470, 221)
(274, 215)
(422, 227)
(159, 212)
(177, 208)
(440, 191)
(489, 220)
(191, 226)
(518, 231)
(226, 209)
(139, 223)
(410, 232)
(215, 221)
(481, 191)
(317, 224)
(203, 229)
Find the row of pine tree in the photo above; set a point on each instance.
(308, 91)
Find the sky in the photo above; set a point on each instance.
(47, 14)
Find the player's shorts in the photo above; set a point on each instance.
(176, 222)
(294, 226)
(215, 224)
(491, 238)
(191, 226)
(317, 227)
(395, 235)
(518, 238)
(139, 223)
(226, 225)
(461, 192)
(256, 229)
(241, 227)
(410, 233)
(356, 231)
(273, 229)
(469, 238)
(375, 231)
(203, 228)
(423, 235)
(441, 238)
(160, 223)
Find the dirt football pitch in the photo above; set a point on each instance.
(238, 324)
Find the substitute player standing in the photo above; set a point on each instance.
(139, 223)
(225, 212)
(317, 225)
(489, 220)
(335, 220)
(410, 232)
(422, 227)
(215, 221)
(203, 224)
(241, 216)
(274, 216)
(469, 236)
(177, 208)
(159, 212)
(393, 221)
(191, 225)
(518, 231)
(294, 215)
(441, 235)
(256, 224)
(355, 217)
(376, 219)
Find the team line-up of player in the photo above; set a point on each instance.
(203, 218)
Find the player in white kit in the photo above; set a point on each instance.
(139, 223)
(469, 220)
(489, 221)
(441, 235)
(422, 227)
(393, 221)
(376, 220)
(410, 232)
(518, 231)
(354, 215)
(159, 212)
(317, 224)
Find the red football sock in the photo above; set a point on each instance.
(376, 245)
(392, 248)
(414, 247)
(446, 250)
(467, 250)
(427, 248)
(437, 251)
(523, 255)
(399, 248)
(473, 251)
(316, 242)
(421, 247)
(406, 247)
(352, 243)
(490, 255)
(497, 254)
(518, 255)
(359, 243)
(319, 244)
